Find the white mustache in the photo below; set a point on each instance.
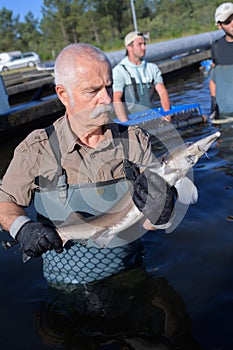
(100, 110)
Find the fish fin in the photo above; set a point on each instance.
(163, 226)
(187, 191)
(73, 219)
(103, 242)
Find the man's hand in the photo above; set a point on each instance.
(36, 238)
(154, 197)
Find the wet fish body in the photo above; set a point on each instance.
(173, 169)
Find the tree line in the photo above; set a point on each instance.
(103, 23)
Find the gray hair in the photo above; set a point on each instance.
(65, 69)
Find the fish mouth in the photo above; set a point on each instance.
(204, 144)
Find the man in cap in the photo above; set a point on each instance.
(135, 80)
(221, 88)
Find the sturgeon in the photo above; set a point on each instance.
(103, 228)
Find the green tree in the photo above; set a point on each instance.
(8, 30)
(29, 36)
(103, 23)
(60, 22)
(116, 10)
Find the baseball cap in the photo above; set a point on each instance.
(223, 12)
(130, 37)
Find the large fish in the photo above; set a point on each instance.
(103, 228)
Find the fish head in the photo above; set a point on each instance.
(180, 160)
(200, 147)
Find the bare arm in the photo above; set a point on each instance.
(8, 213)
(212, 88)
(212, 85)
(163, 95)
(119, 106)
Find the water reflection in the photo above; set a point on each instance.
(129, 311)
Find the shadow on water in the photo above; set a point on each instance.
(184, 302)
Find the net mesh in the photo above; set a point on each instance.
(79, 264)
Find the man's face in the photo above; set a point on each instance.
(94, 86)
(89, 101)
(139, 47)
(227, 26)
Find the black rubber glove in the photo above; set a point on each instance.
(154, 197)
(36, 238)
(214, 108)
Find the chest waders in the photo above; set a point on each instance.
(221, 74)
(224, 88)
(82, 263)
(138, 98)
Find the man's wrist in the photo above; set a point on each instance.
(17, 224)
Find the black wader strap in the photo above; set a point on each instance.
(61, 174)
(130, 169)
(124, 137)
(54, 144)
(133, 84)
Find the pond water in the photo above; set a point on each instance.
(194, 262)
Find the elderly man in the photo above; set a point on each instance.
(221, 87)
(135, 80)
(81, 151)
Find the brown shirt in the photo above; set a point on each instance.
(34, 157)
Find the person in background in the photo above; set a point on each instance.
(53, 166)
(220, 85)
(135, 80)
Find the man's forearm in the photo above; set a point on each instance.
(165, 102)
(212, 88)
(9, 212)
(164, 97)
(120, 111)
(119, 106)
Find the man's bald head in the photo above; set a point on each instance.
(70, 59)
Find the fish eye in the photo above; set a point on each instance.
(191, 159)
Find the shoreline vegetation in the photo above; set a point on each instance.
(103, 23)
